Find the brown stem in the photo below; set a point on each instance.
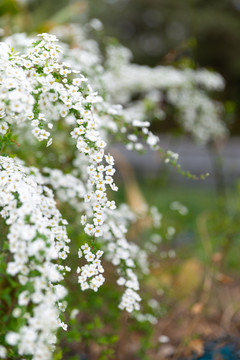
(15, 142)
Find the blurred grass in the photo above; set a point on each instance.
(197, 199)
(210, 225)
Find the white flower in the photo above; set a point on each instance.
(74, 314)
(64, 326)
(83, 219)
(17, 312)
(99, 254)
(84, 286)
(121, 281)
(3, 352)
(49, 142)
(3, 127)
(88, 229)
(85, 248)
(163, 339)
(12, 338)
(89, 256)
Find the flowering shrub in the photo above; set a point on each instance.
(58, 114)
(119, 81)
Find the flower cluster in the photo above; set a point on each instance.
(37, 238)
(118, 250)
(118, 78)
(90, 274)
(180, 208)
(130, 299)
(100, 177)
(51, 91)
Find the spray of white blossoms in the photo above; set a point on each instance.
(36, 87)
(38, 91)
(120, 252)
(36, 239)
(119, 81)
(45, 86)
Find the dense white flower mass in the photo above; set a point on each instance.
(36, 87)
(37, 238)
(73, 100)
(37, 90)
